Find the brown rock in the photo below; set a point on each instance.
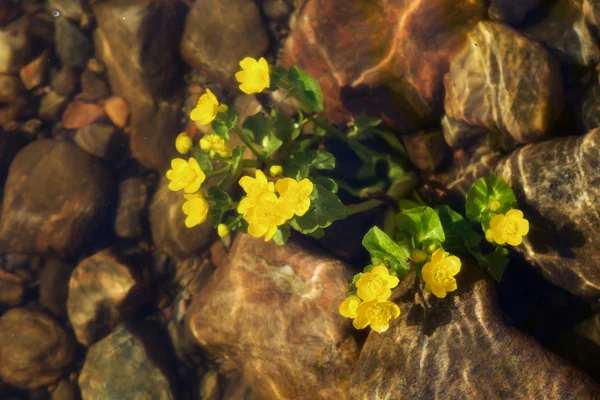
(582, 345)
(460, 347)
(33, 74)
(12, 111)
(92, 86)
(52, 106)
(65, 390)
(55, 195)
(168, 229)
(14, 46)
(385, 74)
(71, 45)
(557, 185)
(10, 144)
(426, 149)
(122, 366)
(512, 12)
(66, 9)
(102, 292)
(589, 110)
(8, 11)
(459, 134)
(274, 311)
(101, 140)
(117, 110)
(35, 350)
(11, 291)
(219, 33)
(54, 286)
(10, 88)
(65, 81)
(565, 32)
(79, 114)
(96, 66)
(483, 90)
(130, 221)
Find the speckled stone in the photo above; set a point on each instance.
(54, 198)
(102, 292)
(385, 74)
(35, 350)
(460, 348)
(123, 366)
(565, 31)
(557, 183)
(273, 310)
(483, 90)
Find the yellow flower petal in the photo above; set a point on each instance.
(439, 273)
(517, 214)
(523, 227)
(349, 306)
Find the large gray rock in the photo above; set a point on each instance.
(220, 33)
(54, 198)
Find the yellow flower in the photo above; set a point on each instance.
(439, 273)
(276, 170)
(509, 228)
(207, 108)
(494, 205)
(295, 195)
(377, 284)
(183, 143)
(253, 187)
(265, 216)
(418, 256)
(215, 144)
(222, 230)
(377, 314)
(254, 76)
(196, 209)
(349, 306)
(185, 175)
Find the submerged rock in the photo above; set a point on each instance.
(460, 347)
(72, 45)
(274, 311)
(14, 46)
(510, 11)
(483, 90)
(35, 350)
(426, 149)
(557, 184)
(55, 195)
(387, 73)
(131, 218)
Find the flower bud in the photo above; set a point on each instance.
(276, 170)
(222, 230)
(418, 256)
(183, 143)
(494, 205)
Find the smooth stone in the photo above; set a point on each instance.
(101, 140)
(54, 198)
(103, 291)
(130, 220)
(510, 11)
(274, 310)
(460, 347)
(10, 144)
(426, 149)
(65, 390)
(117, 110)
(220, 33)
(35, 350)
(124, 366)
(384, 75)
(581, 345)
(66, 9)
(11, 292)
(12, 111)
(79, 114)
(52, 106)
(9, 10)
(33, 74)
(92, 87)
(482, 90)
(14, 46)
(167, 225)
(557, 183)
(277, 10)
(10, 88)
(54, 286)
(65, 81)
(565, 31)
(72, 46)
(96, 66)
(458, 134)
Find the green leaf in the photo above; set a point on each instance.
(258, 129)
(493, 263)
(383, 249)
(285, 128)
(222, 203)
(236, 158)
(306, 90)
(298, 163)
(224, 122)
(352, 287)
(203, 160)
(422, 223)
(460, 235)
(328, 183)
(278, 76)
(282, 235)
(485, 190)
(325, 208)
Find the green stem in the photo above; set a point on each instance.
(251, 164)
(250, 145)
(219, 171)
(362, 207)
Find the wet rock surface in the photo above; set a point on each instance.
(121, 366)
(130, 220)
(102, 292)
(35, 350)
(385, 75)
(101, 140)
(426, 149)
(54, 286)
(55, 196)
(557, 184)
(300, 350)
(460, 347)
(483, 90)
(512, 12)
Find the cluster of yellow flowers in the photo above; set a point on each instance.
(188, 175)
(507, 228)
(264, 211)
(370, 304)
(439, 273)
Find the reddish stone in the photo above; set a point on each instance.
(79, 114)
(388, 57)
(117, 110)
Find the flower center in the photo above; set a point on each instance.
(376, 285)
(509, 228)
(375, 313)
(186, 174)
(441, 276)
